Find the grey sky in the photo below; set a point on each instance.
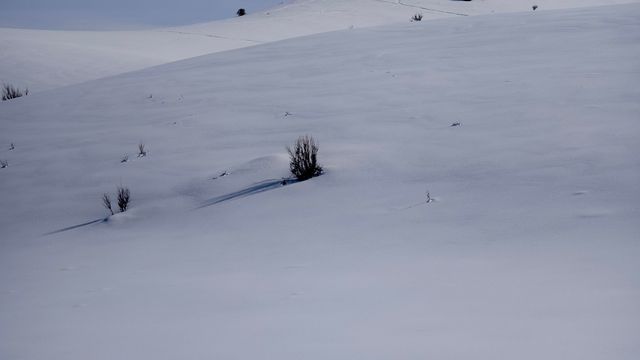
(104, 14)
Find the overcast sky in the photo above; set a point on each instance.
(112, 14)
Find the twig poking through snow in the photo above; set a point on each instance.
(226, 173)
(141, 151)
(429, 198)
(123, 198)
(106, 202)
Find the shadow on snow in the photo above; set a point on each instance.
(77, 226)
(256, 188)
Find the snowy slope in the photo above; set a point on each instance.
(49, 59)
(529, 251)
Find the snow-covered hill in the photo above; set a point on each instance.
(44, 60)
(529, 250)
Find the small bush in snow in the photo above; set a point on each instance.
(417, 17)
(534, 7)
(4, 164)
(11, 92)
(241, 12)
(124, 159)
(12, 147)
(123, 198)
(141, 151)
(106, 202)
(303, 161)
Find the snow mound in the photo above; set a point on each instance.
(42, 60)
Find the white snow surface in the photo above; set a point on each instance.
(529, 251)
(41, 59)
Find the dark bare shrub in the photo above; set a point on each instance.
(141, 150)
(11, 92)
(106, 202)
(123, 198)
(417, 17)
(303, 161)
(4, 164)
(241, 12)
